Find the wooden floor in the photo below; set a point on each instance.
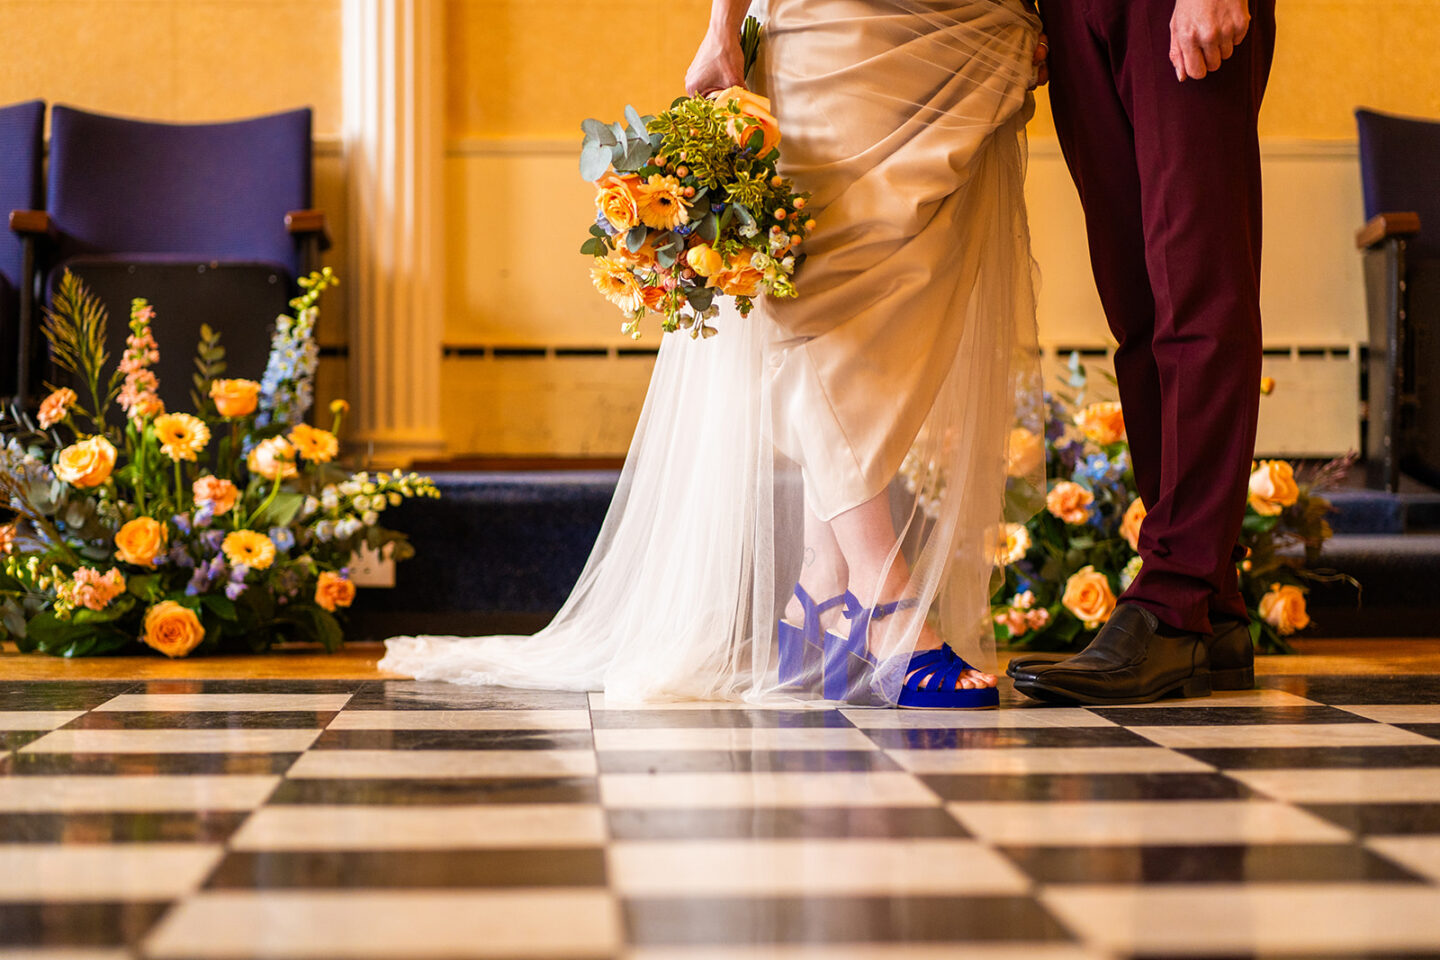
(357, 662)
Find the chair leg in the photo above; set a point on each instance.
(24, 360)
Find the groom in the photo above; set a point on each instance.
(1155, 104)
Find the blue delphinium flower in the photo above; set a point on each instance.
(203, 516)
(182, 522)
(212, 539)
(283, 539)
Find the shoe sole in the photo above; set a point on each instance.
(1239, 678)
(1195, 686)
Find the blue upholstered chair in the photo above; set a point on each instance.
(1400, 169)
(210, 222)
(22, 149)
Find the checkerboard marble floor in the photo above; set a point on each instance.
(390, 819)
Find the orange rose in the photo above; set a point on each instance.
(1069, 502)
(217, 494)
(235, 398)
(7, 538)
(1024, 452)
(147, 405)
(56, 407)
(704, 259)
(738, 278)
(752, 108)
(653, 296)
(172, 629)
(87, 463)
(617, 199)
(140, 541)
(1273, 487)
(1284, 608)
(273, 459)
(1088, 596)
(333, 591)
(1102, 423)
(1130, 523)
(623, 255)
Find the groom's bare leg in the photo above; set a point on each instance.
(1187, 155)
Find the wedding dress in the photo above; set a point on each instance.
(908, 364)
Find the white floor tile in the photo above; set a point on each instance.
(37, 719)
(1018, 950)
(1296, 920)
(416, 925)
(599, 702)
(1283, 735)
(82, 794)
(701, 790)
(1025, 760)
(235, 740)
(1420, 854)
(404, 764)
(461, 720)
(346, 827)
(734, 738)
(1161, 822)
(1018, 718)
(1402, 785)
(118, 872)
(1397, 712)
(779, 868)
(63, 953)
(228, 702)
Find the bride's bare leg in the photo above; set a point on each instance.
(866, 537)
(822, 572)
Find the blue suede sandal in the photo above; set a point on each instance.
(848, 661)
(801, 645)
(930, 684)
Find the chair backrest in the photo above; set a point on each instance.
(1400, 171)
(218, 191)
(22, 152)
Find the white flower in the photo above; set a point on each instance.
(307, 510)
(1128, 575)
(370, 518)
(395, 499)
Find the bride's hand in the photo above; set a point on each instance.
(1041, 58)
(718, 65)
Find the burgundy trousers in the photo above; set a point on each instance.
(1169, 176)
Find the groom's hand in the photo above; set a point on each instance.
(1203, 33)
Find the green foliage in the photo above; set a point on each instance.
(75, 327)
(209, 366)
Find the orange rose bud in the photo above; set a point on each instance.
(333, 591)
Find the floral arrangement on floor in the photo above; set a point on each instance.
(1065, 568)
(689, 205)
(228, 528)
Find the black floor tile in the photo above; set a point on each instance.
(1224, 716)
(1067, 786)
(1307, 758)
(663, 719)
(781, 823)
(981, 739)
(410, 695)
(200, 720)
(1431, 730)
(1381, 818)
(1262, 863)
(77, 924)
(214, 826)
(744, 761)
(379, 869)
(454, 740)
(247, 686)
(438, 792)
(68, 695)
(1361, 689)
(838, 920)
(15, 739)
(154, 764)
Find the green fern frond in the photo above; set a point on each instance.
(75, 326)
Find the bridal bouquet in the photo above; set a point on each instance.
(1065, 568)
(689, 205)
(227, 528)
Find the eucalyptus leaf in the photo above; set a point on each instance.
(12, 618)
(596, 130)
(709, 228)
(635, 238)
(637, 124)
(636, 156)
(743, 215)
(666, 257)
(620, 135)
(595, 247)
(594, 160)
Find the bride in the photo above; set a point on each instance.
(815, 500)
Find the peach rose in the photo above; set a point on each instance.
(56, 407)
(87, 463)
(752, 108)
(7, 538)
(141, 541)
(1069, 502)
(333, 590)
(1130, 523)
(235, 398)
(738, 278)
(1024, 452)
(617, 198)
(1088, 596)
(1273, 487)
(273, 459)
(644, 257)
(217, 494)
(147, 405)
(172, 629)
(1284, 608)
(653, 297)
(1102, 423)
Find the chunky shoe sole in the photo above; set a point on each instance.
(1194, 686)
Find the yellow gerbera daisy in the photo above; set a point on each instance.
(662, 205)
(617, 284)
(247, 547)
(314, 444)
(181, 435)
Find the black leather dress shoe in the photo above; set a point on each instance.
(1230, 650)
(1127, 662)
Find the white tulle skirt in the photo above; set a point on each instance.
(907, 369)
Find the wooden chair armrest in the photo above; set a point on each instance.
(1383, 226)
(32, 223)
